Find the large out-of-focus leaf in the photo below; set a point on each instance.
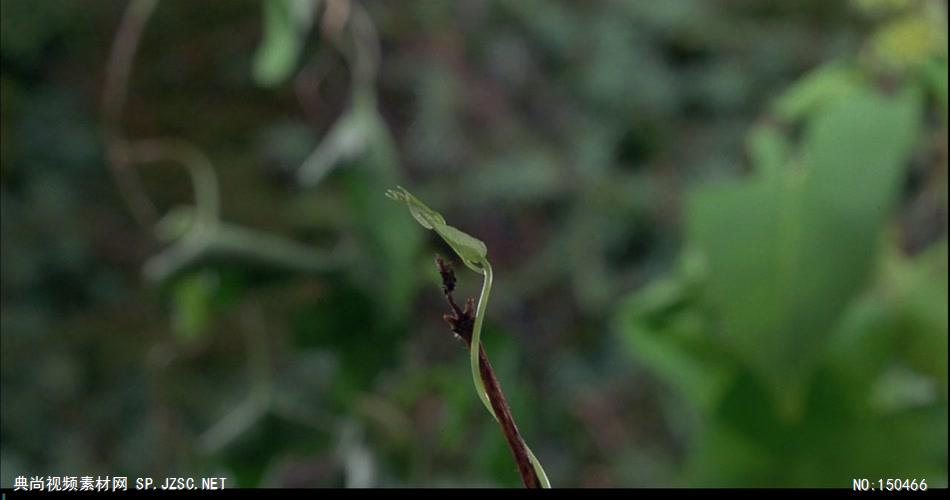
(663, 329)
(786, 252)
(768, 149)
(746, 443)
(286, 25)
(818, 88)
(935, 75)
(921, 285)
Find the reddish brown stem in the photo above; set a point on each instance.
(462, 320)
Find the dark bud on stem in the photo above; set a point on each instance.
(448, 274)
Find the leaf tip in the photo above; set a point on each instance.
(398, 194)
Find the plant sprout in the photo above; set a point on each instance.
(474, 255)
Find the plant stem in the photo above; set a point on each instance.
(476, 339)
(467, 325)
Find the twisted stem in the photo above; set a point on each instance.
(466, 323)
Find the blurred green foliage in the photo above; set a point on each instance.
(776, 328)
(718, 228)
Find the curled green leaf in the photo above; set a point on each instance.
(471, 250)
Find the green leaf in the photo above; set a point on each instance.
(935, 76)
(786, 253)
(662, 328)
(815, 90)
(472, 251)
(424, 215)
(920, 287)
(768, 149)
